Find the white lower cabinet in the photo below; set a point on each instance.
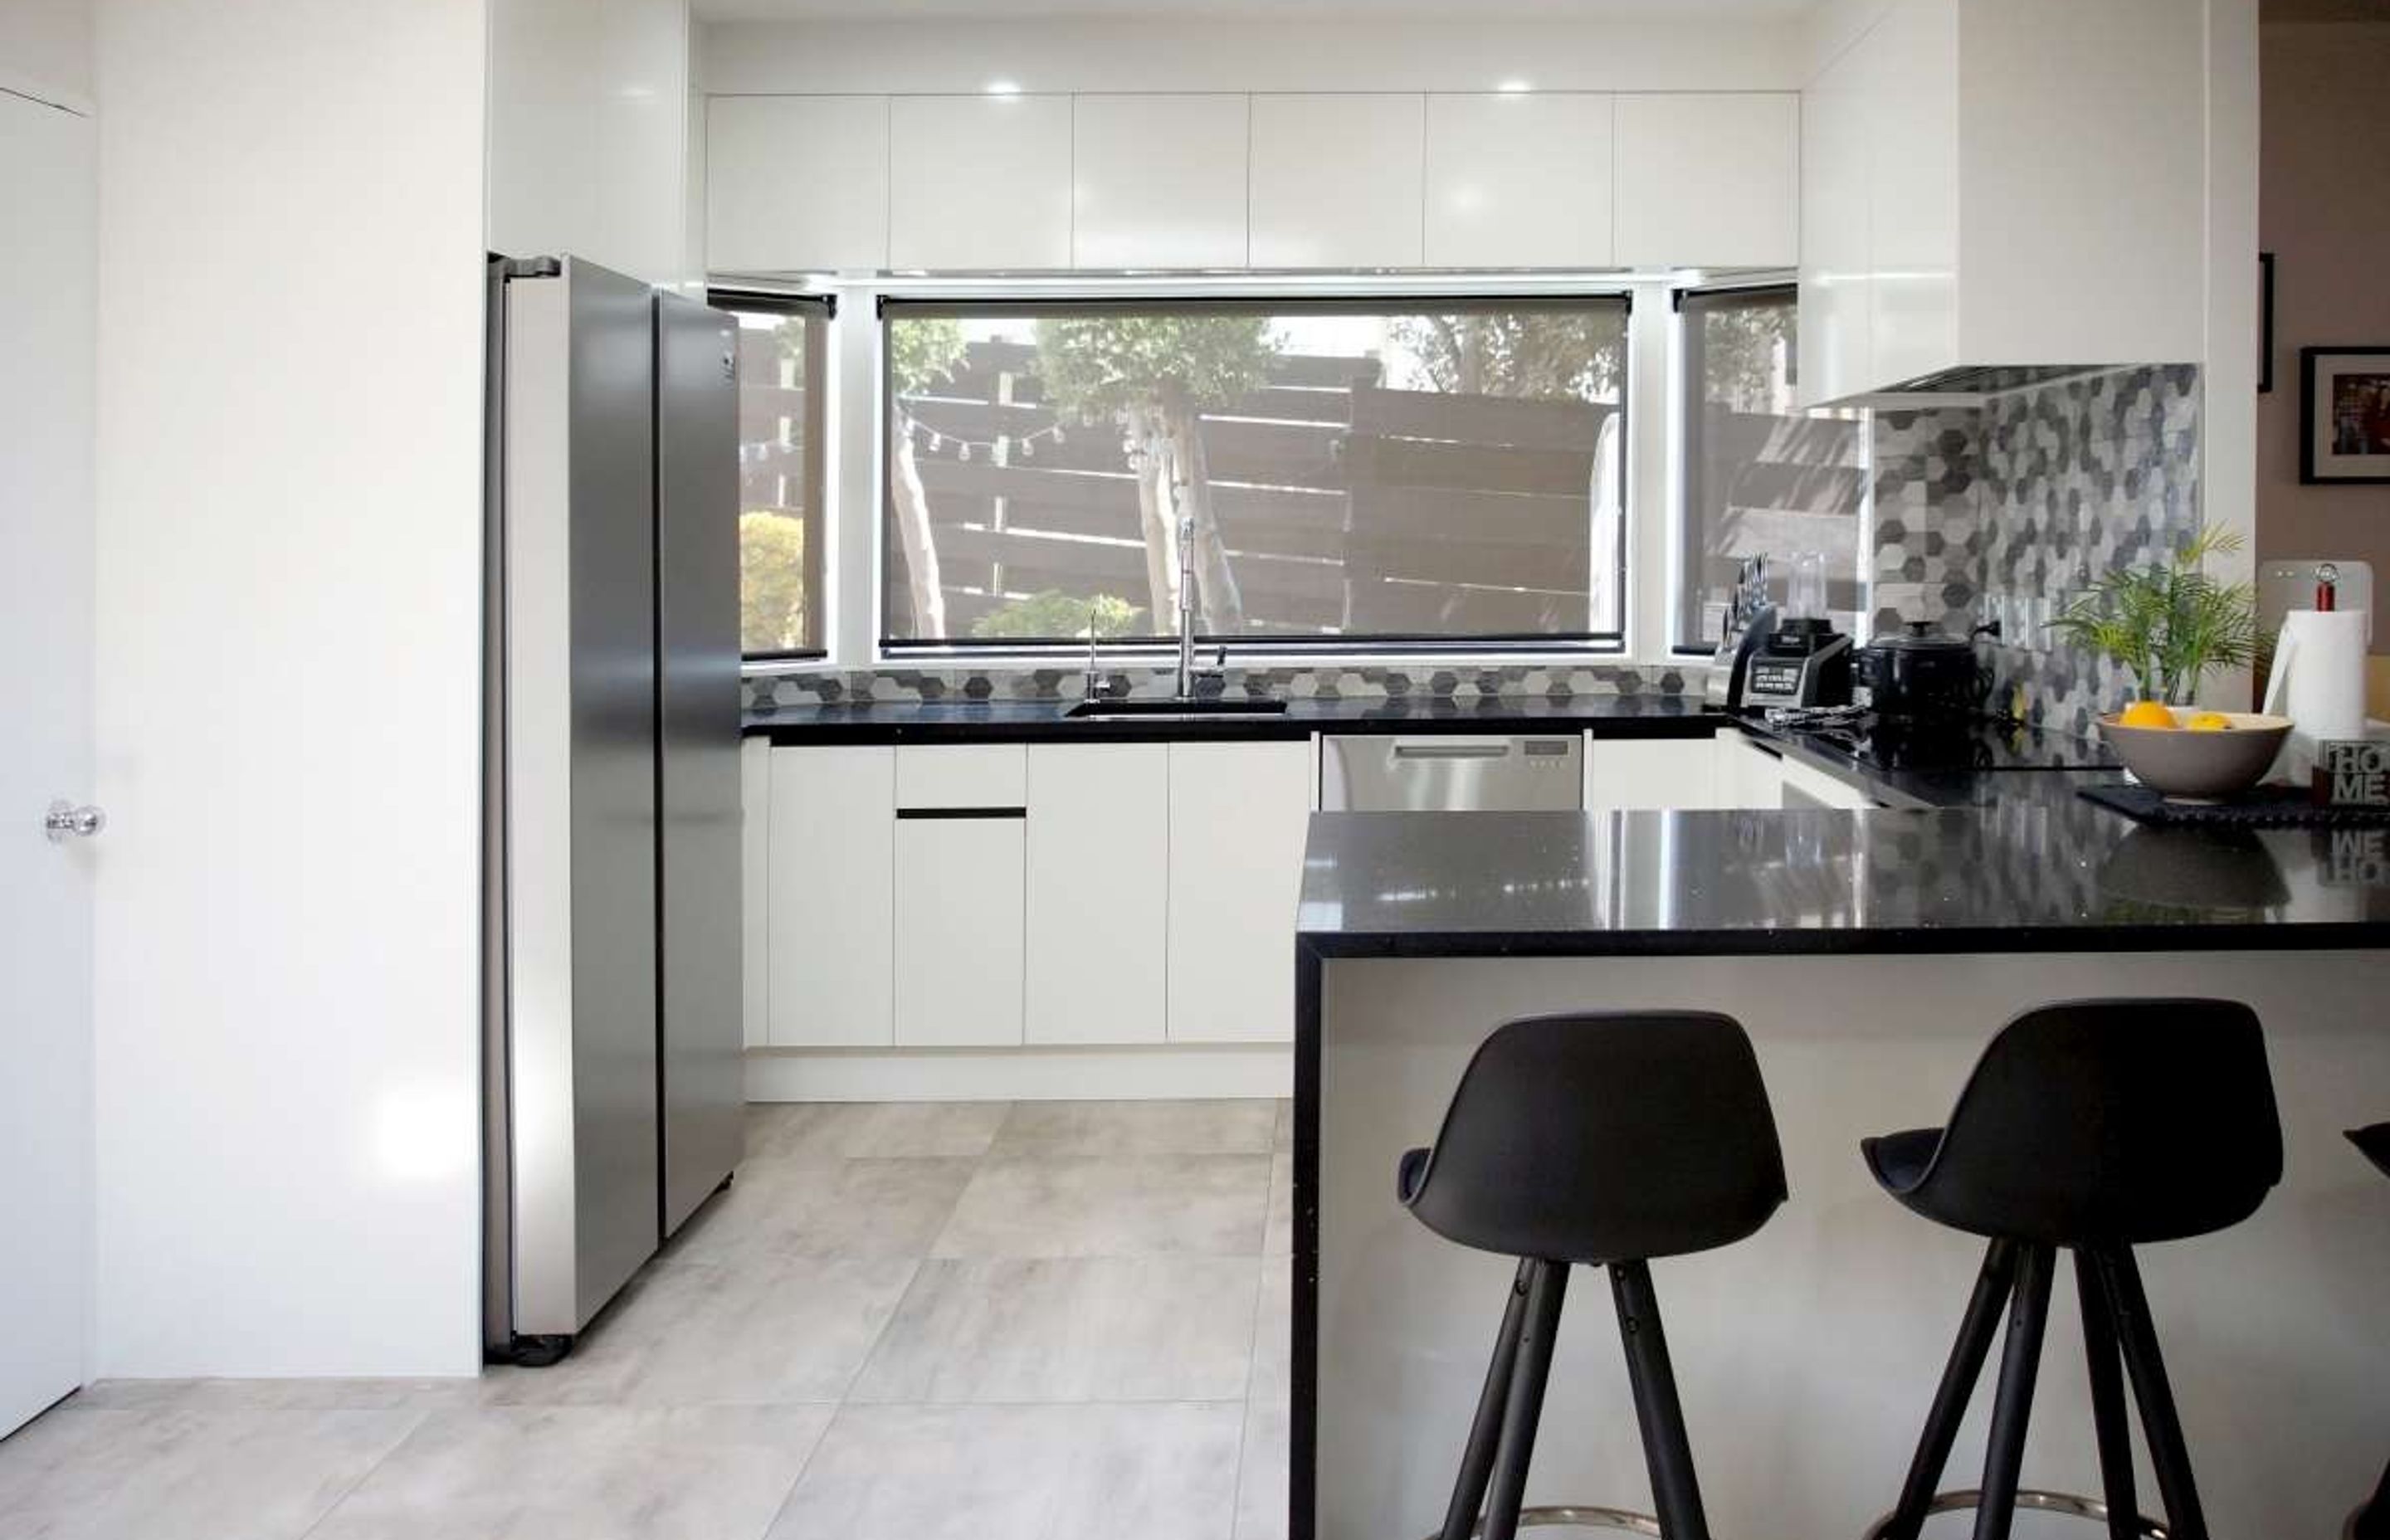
(831, 917)
(959, 908)
(1748, 776)
(755, 891)
(1804, 786)
(1098, 888)
(1641, 774)
(1238, 812)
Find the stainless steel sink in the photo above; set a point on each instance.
(1172, 706)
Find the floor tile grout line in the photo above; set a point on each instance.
(1245, 1422)
(421, 1417)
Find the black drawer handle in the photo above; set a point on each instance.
(907, 813)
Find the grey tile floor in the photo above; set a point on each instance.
(1049, 1321)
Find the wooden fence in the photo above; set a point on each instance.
(1346, 507)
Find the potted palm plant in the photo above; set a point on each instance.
(2169, 622)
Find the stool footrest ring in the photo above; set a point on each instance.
(2066, 1503)
(1579, 1516)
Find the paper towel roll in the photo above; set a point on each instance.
(2319, 683)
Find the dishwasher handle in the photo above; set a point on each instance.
(1452, 748)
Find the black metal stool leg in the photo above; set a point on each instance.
(2019, 1366)
(1486, 1432)
(2161, 1423)
(1667, 1449)
(1546, 1286)
(2111, 1419)
(1973, 1343)
(2373, 1521)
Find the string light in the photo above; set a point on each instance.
(1003, 448)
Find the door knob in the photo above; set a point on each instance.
(64, 818)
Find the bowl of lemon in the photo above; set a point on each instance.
(2189, 755)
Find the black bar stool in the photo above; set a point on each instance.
(2373, 1521)
(2095, 1126)
(1605, 1140)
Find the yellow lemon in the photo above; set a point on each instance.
(2210, 721)
(2145, 713)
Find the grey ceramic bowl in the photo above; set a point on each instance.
(2187, 767)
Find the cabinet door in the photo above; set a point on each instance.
(1836, 273)
(833, 917)
(796, 184)
(1708, 179)
(1639, 774)
(1336, 181)
(755, 891)
(1099, 893)
(979, 182)
(1803, 786)
(958, 910)
(1158, 181)
(1519, 180)
(1908, 67)
(961, 775)
(1238, 816)
(1748, 776)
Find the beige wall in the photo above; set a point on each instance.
(2324, 211)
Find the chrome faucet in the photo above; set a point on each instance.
(1185, 690)
(1095, 687)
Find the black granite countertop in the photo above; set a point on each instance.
(1043, 720)
(2039, 868)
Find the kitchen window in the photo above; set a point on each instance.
(781, 391)
(1359, 474)
(1759, 477)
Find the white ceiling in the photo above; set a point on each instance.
(1127, 10)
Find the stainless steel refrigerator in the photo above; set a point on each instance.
(612, 1033)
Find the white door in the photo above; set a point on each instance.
(47, 169)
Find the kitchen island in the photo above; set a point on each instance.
(1870, 955)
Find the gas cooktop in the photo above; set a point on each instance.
(1937, 744)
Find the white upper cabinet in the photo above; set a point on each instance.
(1158, 181)
(979, 182)
(1519, 180)
(1708, 179)
(796, 184)
(2001, 182)
(1337, 180)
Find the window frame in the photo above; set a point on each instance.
(1683, 415)
(1345, 298)
(818, 310)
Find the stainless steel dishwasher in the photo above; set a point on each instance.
(1452, 773)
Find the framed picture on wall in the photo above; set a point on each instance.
(2344, 415)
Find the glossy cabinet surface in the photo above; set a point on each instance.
(1158, 181)
(796, 184)
(1098, 884)
(831, 895)
(1519, 180)
(958, 910)
(1238, 812)
(755, 892)
(1637, 774)
(1708, 179)
(979, 182)
(961, 775)
(1336, 181)
(1950, 126)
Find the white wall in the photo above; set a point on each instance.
(1387, 54)
(589, 133)
(46, 49)
(288, 713)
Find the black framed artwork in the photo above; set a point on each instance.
(2264, 323)
(2345, 415)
